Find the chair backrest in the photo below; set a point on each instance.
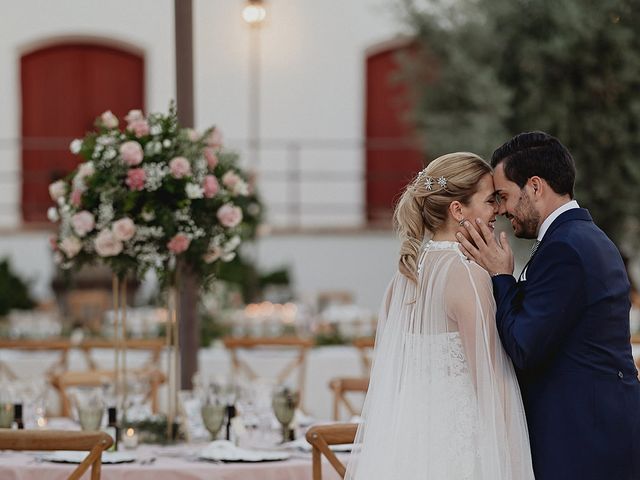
(365, 346)
(37, 440)
(341, 386)
(321, 437)
(97, 378)
(240, 366)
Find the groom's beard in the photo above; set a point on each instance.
(524, 219)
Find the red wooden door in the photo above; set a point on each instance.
(64, 87)
(392, 156)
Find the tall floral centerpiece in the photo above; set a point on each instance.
(149, 195)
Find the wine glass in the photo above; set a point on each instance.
(89, 405)
(284, 403)
(213, 417)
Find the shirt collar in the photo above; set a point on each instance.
(553, 215)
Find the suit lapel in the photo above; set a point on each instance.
(569, 215)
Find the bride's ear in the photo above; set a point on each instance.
(455, 210)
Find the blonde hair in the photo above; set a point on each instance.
(421, 210)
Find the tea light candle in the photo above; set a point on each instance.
(130, 438)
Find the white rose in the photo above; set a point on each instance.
(75, 146)
(107, 245)
(212, 255)
(232, 244)
(52, 214)
(194, 191)
(124, 229)
(57, 190)
(71, 246)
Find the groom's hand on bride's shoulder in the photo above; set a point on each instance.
(479, 245)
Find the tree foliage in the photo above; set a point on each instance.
(488, 69)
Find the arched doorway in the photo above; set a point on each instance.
(392, 153)
(64, 87)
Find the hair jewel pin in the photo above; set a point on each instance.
(429, 181)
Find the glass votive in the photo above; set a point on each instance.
(130, 438)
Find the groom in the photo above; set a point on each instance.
(565, 321)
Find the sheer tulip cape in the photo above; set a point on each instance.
(443, 400)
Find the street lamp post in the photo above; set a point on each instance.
(254, 13)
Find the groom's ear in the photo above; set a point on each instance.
(537, 185)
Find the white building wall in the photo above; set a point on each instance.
(311, 112)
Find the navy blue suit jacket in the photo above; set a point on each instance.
(566, 328)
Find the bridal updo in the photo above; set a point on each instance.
(423, 207)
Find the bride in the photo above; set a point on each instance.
(443, 401)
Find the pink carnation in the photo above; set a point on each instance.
(229, 215)
(83, 222)
(134, 115)
(179, 243)
(71, 246)
(136, 178)
(212, 158)
(131, 153)
(210, 186)
(179, 167)
(76, 198)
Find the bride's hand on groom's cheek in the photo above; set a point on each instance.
(480, 245)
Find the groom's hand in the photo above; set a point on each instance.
(495, 256)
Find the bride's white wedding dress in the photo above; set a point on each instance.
(443, 400)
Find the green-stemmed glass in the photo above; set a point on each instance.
(213, 417)
(6, 415)
(284, 403)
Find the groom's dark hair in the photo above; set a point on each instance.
(537, 154)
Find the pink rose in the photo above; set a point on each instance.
(76, 198)
(179, 167)
(83, 222)
(57, 190)
(124, 229)
(139, 127)
(107, 245)
(210, 186)
(212, 158)
(109, 120)
(71, 246)
(230, 179)
(136, 178)
(179, 243)
(131, 153)
(134, 115)
(215, 138)
(229, 215)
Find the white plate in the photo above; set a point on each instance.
(224, 451)
(303, 445)
(70, 456)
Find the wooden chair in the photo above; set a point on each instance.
(37, 440)
(365, 346)
(321, 437)
(341, 387)
(240, 367)
(96, 378)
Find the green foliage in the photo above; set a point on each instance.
(570, 68)
(14, 292)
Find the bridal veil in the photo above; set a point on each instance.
(443, 400)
